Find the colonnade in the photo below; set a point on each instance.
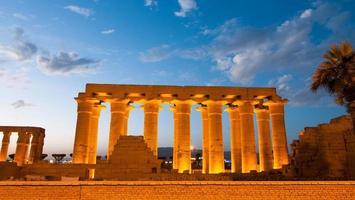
(241, 103)
(29, 146)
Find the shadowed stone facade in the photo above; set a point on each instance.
(327, 150)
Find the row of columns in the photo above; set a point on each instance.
(243, 145)
(273, 153)
(24, 145)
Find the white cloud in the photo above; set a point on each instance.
(66, 63)
(80, 10)
(20, 49)
(306, 13)
(282, 83)
(21, 16)
(185, 7)
(150, 3)
(108, 31)
(20, 104)
(245, 52)
(156, 54)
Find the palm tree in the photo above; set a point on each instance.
(337, 75)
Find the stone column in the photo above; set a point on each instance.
(235, 137)
(151, 111)
(128, 110)
(279, 140)
(216, 150)
(22, 148)
(265, 152)
(40, 145)
(246, 113)
(183, 110)
(5, 145)
(94, 126)
(34, 147)
(81, 142)
(175, 141)
(117, 124)
(205, 138)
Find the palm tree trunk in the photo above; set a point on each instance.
(351, 110)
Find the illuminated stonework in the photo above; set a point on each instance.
(30, 139)
(241, 103)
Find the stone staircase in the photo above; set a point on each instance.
(132, 155)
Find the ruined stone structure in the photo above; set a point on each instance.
(241, 103)
(30, 139)
(327, 150)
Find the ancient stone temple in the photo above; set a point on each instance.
(241, 103)
(327, 150)
(30, 139)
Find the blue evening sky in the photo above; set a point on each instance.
(50, 49)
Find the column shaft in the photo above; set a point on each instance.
(183, 110)
(265, 152)
(40, 146)
(5, 146)
(117, 124)
(279, 140)
(34, 147)
(235, 137)
(94, 126)
(216, 150)
(246, 113)
(81, 142)
(126, 119)
(175, 140)
(22, 148)
(151, 111)
(205, 139)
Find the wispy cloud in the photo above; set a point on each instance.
(22, 16)
(20, 49)
(150, 3)
(185, 7)
(86, 12)
(20, 104)
(14, 78)
(156, 54)
(108, 31)
(66, 63)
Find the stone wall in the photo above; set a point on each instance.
(178, 190)
(325, 151)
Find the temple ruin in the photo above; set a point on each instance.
(327, 150)
(242, 104)
(30, 139)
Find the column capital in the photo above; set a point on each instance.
(97, 109)
(183, 106)
(231, 108)
(246, 107)
(176, 102)
(172, 108)
(7, 133)
(118, 100)
(202, 108)
(245, 101)
(151, 106)
(261, 109)
(214, 107)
